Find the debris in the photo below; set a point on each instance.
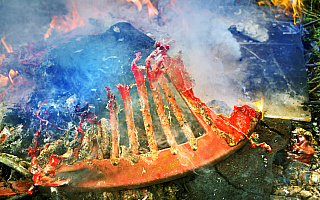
(299, 149)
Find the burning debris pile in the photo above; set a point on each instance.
(97, 138)
(87, 112)
(53, 159)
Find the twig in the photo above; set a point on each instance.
(310, 13)
(15, 163)
(309, 23)
(313, 102)
(313, 65)
(314, 80)
(314, 88)
(254, 54)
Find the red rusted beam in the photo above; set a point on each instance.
(142, 90)
(132, 133)
(153, 81)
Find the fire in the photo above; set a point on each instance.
(2, 56)
(8, 48)
(137, 3)
(3, 81)
(294, 7)
(258, 104)
(151, 9)
(12, 74)
(6, 45)
(67, 24)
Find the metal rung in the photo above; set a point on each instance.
(142, 90)
(132, 133)
(176, 110)
(112, 106)
(153, 81)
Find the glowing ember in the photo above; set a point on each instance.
(151, 9)
(67, 24)
(291, 7)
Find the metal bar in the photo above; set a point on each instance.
(142, 90)
(177, 112)
(112, 105)
(132, 133)
(153, 81)
(104, 139)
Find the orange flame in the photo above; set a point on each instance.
(258, 104)
(151, 9)
(294, 7)
(137, 3)
(12, 74)
(66, 24)
(8, 48)
(3, 81)
(6, 45)
(2, 56)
